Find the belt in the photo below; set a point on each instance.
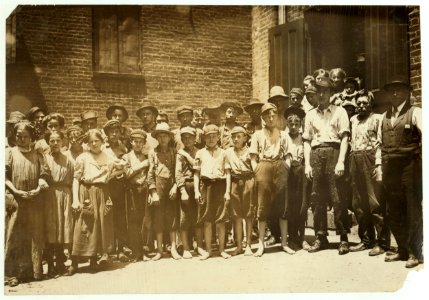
(242, 176)
(206, 179)
(97, 184)
(327, 145)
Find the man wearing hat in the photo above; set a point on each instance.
(402, 171)
(117, 150)
(281, 101)
(326, 134)
(89, 120)
(270, 158)
(120, 113)
(232, 111)
(254, 111)
(14, 117)
(147, 114)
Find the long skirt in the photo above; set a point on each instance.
(24, 237)
(93, 231)
(58, 215)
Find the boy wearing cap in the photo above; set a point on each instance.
(243, 196)
(120, 113)
(402, 172)
(232, 111)
(115, 149)
(75, 136)
(185, 115)
(35, 115)
(365, 162)
(270, 158)
(296, 95)
(185, 161)
(136, 193)
(297, 184)
(147, 114)
(326, 134)
(212, 183)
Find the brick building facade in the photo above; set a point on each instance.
(196, 55)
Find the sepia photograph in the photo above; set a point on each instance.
(212, 149)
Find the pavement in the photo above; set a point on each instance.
(274, 272)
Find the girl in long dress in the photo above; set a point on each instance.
(58, 213)
(26, 176)
(93, 232)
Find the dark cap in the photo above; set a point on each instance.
(111, 124)
(398, 80)
(184, 109)
(297, 91)
(293, 110)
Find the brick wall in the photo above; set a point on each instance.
(263, 18)
(196, 57)
(295, 12)
(415, 53)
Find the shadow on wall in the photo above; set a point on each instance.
(22, 77)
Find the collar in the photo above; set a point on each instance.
(400, 107)
(330, 108)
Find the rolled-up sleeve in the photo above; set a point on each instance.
(197, 161)
(254, 144)
(308, 128)
(343, 122)
(151, 172)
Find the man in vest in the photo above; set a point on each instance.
(402, 172)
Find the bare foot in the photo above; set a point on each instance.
(187, 254)
(288, 250)
(225, 255)
(145, 258)
(204, 256)
(237, 251)
(248, 251)
(158, 256)
(174, 253)
(305, 245)
(260, 250)
(201, 251)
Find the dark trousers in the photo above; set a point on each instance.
(369, 209)
(298, 202)
(402, 178)
(136, 204)
(117, 194)
(323, 161)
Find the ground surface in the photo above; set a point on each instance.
(276, 271)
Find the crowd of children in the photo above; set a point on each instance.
(92, 193)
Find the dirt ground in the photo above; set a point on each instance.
(275, 272)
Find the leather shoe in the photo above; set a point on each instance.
(71, 271)
(318, 245)
(395, 257)
(358, 247)
(377, 250)
(412, 261)
(343, 248)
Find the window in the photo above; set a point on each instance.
(116, 40)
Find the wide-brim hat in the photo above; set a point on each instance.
(161, 128)
(277, 94)
(237, 107)
(211, 110)
(149, 107)
(293, 110)
(267, 106)
(32, 111)
(254, 103)
(113, 107)
(88, 115)
(398, 80)
(15, 117)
